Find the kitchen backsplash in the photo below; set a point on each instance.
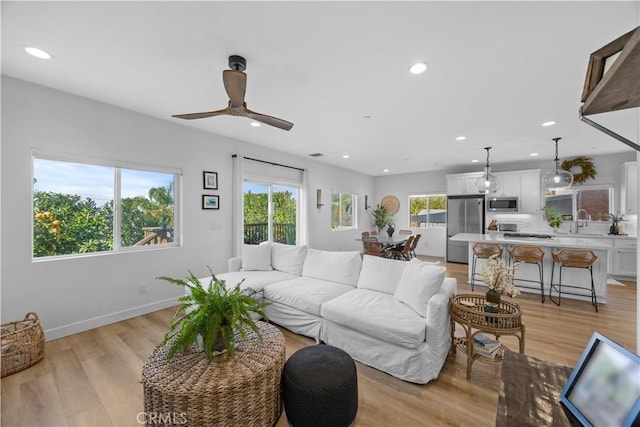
(528, 223)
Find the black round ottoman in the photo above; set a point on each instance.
(320, 387)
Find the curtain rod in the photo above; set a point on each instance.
(269, 163)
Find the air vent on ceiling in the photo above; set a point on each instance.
(316, 154)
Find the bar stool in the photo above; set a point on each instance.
(484, 251)
(573, 258)
(529, 255)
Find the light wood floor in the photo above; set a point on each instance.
(93, 378)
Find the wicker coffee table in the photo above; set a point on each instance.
(468, 310)
(191, 390)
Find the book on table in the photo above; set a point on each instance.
(482, 351)
(485, 342)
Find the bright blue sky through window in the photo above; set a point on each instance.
(95, 182)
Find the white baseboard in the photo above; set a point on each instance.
(96, 322)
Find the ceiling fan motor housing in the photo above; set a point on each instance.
(237, 62)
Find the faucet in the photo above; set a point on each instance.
(586, 220)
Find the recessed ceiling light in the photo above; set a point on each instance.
(255, 124)
(386, 170)
(38, 53)
(345, 156)
(475, 161)
(461, 138)
(549, 123)
(418, 68)
(534, 154)
(366, 117)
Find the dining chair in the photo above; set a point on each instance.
(365, 233)
(373, 233)
(414, 245)
(402, 252)
(371, 246)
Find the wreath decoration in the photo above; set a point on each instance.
(587, 169)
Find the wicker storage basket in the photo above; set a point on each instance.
(22, 344)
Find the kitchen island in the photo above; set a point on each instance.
(570, 276)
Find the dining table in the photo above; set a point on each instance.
(389, 241)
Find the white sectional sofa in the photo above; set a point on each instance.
(391, 315)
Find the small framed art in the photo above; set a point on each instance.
(210, 180)
(210, 202)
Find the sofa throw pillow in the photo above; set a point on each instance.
(419, 282)
(288, 258)
(380, 274)
(256, 257)
(338, 267)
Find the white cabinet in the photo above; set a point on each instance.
(508, 184)
(525, 185)
(530, 191)
(462, 183)
(625, 261)
(630, 188)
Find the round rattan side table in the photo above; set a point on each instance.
(468, 310)
(190, 390)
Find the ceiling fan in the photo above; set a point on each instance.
(235, 83)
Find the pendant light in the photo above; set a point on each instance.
(487, 183)
(557, 179)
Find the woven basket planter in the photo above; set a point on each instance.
(22, 344)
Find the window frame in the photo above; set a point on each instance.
(117, 167)
(354, 209)
(428, 197)
(574, 200)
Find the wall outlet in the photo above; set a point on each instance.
(142, 288)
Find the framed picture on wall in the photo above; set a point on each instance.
(210, 202)
(210, 180)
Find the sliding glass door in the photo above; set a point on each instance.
(271, 213)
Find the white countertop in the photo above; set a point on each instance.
(579, 235)
(557, 241)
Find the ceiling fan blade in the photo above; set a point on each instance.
(192, 116)
(268, 120)
(235, 83)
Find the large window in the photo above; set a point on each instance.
(596, 200)
(343, 211)
(270, 213)
(81, 208)
(428, 211)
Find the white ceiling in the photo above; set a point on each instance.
(497, 70)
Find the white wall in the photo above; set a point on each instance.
(80, 293)
(433, 241)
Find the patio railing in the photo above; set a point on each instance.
(282, 233)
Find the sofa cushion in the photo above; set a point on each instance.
(419, 282)
(255, 280)
(380, 274)
(288, 258)
(378, 315)
(304, 293)
(256, 257)
(338, 267)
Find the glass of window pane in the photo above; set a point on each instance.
(256, 213)
(72, 208)
(284, 200)
(147, 205)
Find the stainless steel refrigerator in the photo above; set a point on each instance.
(465, 214)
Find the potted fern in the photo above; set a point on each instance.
(211, 315)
